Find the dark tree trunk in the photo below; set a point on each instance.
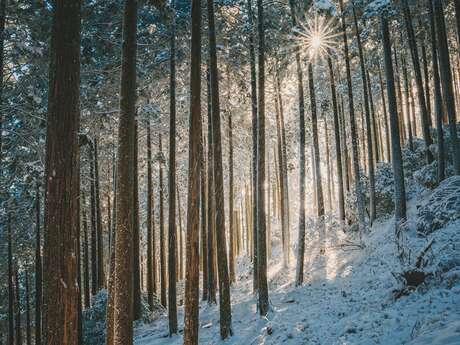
(100, 238)
(136, 245)
(94, 256)
(315, 146)
(437, 95)
(407, 105)
(150, 235)
(172, 246)
(399, 191)
(123, 280)
(163, 274)
(261, 178)
(353, 132)
(191, 309)
(338, 148)
(10, 286)
(418, 79)
(211, 205)
(38, 272)
(2, 45)
(385, 117)
(17, 308)
(62, 171)
(369, 144)
(252, 56)
(28, 326)
(230, 203)
(203, 215)
(86, 289)
(446, 80)
(224, 286)
(300, 95)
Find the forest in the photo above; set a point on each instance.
(242, 172)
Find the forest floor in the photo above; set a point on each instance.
(348, 296)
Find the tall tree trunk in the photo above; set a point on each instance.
(94, 256)
(136, 236)
(407, 105)
(300, 95)
(338, 148)
(38, 272)
(385, 117)
(10, 286)
(252, 61)
(123, 280)
(86, 289)
(100, 238)
(376, 139)
(224, 286)
(111, 290)
(328, 167)
(191, 309)
(418, 78)
(261, 178)
(172, 245)
(62, 176)
(446, 80)
(204, 224)
(369, 144)
(150, 235)
(230, 202)
(2, 46)
(163, 274)
(437, 95)
(28, 325)
(353, 132)
(315, 146)
(211, 204)
(17, 307)
(399, 190)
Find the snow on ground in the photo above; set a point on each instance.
(347, 297)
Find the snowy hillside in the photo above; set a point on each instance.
(349, 293)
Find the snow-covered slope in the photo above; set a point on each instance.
(348, 295)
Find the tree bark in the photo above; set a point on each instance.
(123, 283)
(418, 78)
(204, 224)
(224, 286)
(100, 238)
(191, 309)
(172, 241)
(86, 279)
(136, 236)
(163, 274)
(62, 175)
(10, 286)
(399, 189)
(385, 117)
(38, 272)
(230, 203)
(446, 80)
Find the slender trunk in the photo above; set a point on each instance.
(230, 202)
(203, 215)
(100, 238)
(191, 309)
(407, 111)
(338, 148)
(446, 80)
(2, 46)
(163, 274)
(315, 146)
(38, 272)
(94, 256)
(136, 236)
(62, 176)
(123, 280)
(211, 205)
(86, 288)
(254, 140)
(328, 167)
(17, 308)
(418, 79)
(369, 143)
(172, 240)
(399, 189)
(353, 132)
(28, 326)
(437, 94)
(385, 117)
(224, 286)
(150, 250)
(10, 286)
(374, 121)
